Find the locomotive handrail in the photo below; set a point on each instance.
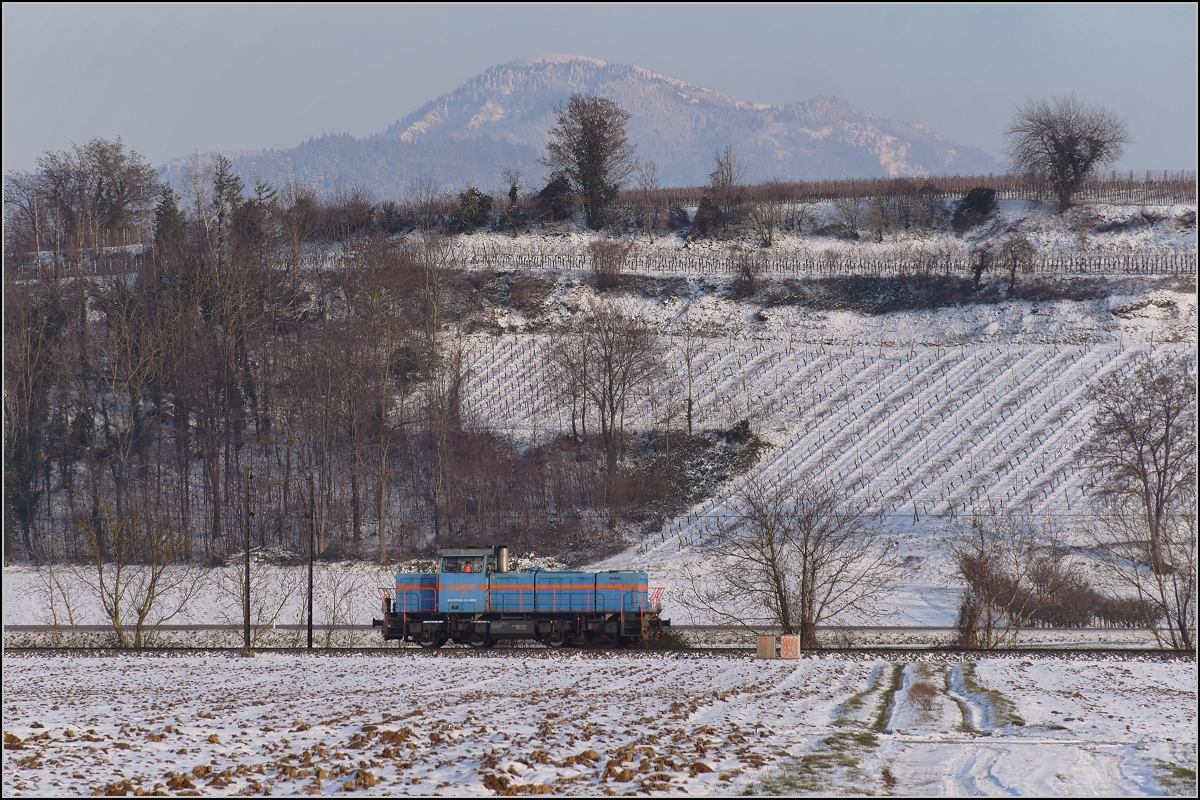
(655, 596)
(388, 595)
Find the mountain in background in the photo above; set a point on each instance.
(499, 121)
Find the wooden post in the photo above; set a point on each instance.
(766, 647)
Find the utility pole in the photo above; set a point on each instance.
(312, 537)
(246, 576)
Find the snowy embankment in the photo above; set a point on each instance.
(925, 415)
(285, 724)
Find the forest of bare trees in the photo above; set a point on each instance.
(260, 348)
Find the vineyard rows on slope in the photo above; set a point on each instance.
(925, 416)
(923, 430)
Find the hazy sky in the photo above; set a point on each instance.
(175, 79)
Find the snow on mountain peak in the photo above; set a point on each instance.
(558, 58)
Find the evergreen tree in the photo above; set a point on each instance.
(170, 224)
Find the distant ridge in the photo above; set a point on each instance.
(499, 120)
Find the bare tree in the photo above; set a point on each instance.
(36, 317)
(792, 555)
(339, 589)
(692, 349)
(1064, 141)
(607, 355)
(138, 573)
(880, 215)
(57, 601)
(726, 180)
(272, 592)
(443, 363)
(388, 278)
(511, 218)
(425, 197)
(588, 144)
(1165, 599)
(798, 214)
(848, 214)
(1143, 445)
(929, 210)
(1143, 455)
(300, 217)
(765, 214)
(511, 178)
(24, 216)
(1011, 568)
(1016, 252)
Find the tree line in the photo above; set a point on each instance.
(227, 381)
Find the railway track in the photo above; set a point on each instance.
(892, 643)
(536, 651)
(1081, 633)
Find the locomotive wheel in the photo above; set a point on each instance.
(556, 639)
(481, 642)
(430, 641)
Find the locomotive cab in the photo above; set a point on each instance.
(462, 581)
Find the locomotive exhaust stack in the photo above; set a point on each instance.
(501, 558)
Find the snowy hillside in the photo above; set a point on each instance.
(926, 404)
(926, 414)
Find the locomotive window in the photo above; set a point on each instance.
(462, 564)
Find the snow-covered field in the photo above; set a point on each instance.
(574, 725)
(926, 415)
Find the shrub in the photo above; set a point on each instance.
(977, 206)
(474, 208)
(665, 639)
(607, 257)
(556, 201)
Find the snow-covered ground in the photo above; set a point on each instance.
(1096, 228)
(926, 415)
(573, 725)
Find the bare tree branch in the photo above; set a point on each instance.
(793, 556)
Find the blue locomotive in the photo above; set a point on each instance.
(474, 599)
